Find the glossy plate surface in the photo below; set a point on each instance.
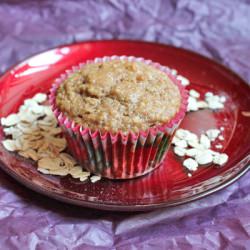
(168, 185)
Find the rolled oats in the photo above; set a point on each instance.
(10, 120)
(40, 97)
(198, 149)
(190, 164)
(220, 159)
(194, 93)
(36, 135)
(10, 145)
(205, 141)
(95, 178)
(204, 158)
(179, 151)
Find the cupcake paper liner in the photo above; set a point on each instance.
(118, 155)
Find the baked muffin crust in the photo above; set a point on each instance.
(118, 96)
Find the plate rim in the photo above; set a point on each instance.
(119, 207)
(186, 50)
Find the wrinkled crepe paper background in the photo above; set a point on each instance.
(219, 29)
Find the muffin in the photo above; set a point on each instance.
(118, 114)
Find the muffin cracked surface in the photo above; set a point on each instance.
(118, 95)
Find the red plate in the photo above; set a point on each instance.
(169, 184)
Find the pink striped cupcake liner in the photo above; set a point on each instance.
(119, 155)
